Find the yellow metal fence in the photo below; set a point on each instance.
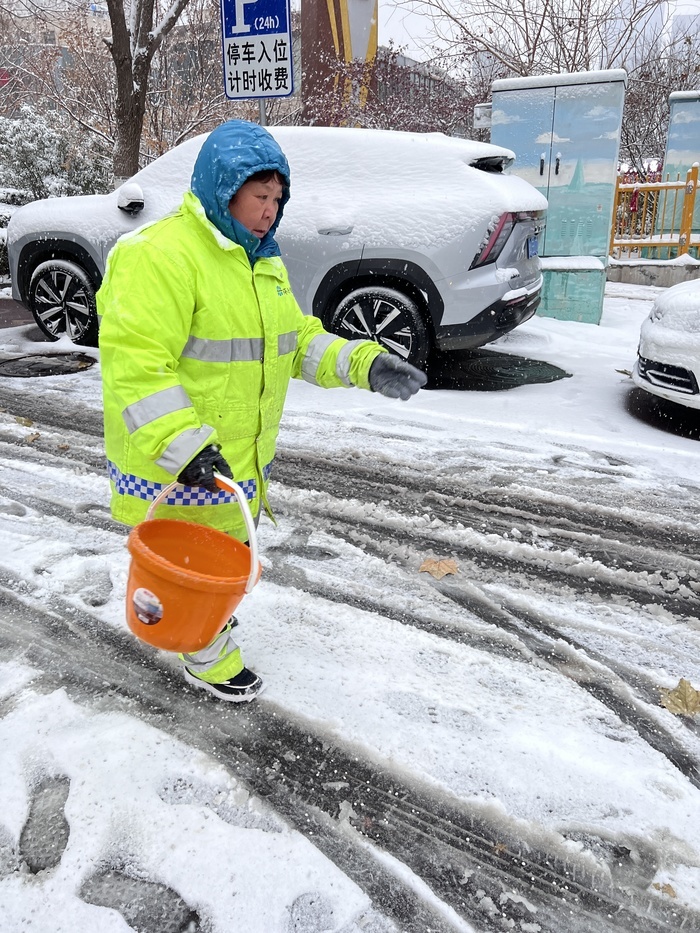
(654, 220)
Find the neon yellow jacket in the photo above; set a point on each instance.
(198, 348)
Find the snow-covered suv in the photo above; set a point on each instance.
(415, 240)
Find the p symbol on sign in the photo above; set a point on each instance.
(240, 26)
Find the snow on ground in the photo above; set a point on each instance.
(508, 736)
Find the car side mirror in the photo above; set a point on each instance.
(130, 198)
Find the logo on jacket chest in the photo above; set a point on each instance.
(283, 291)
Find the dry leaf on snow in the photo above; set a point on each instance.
(27, 422)
(30, 438)
(438, 568)
(683, 700)
(665, 889)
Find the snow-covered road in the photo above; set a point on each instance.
(484, 751)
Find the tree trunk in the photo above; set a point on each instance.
(127, 138)
(132, 47)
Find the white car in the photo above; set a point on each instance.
(414, 240)
(668, 358)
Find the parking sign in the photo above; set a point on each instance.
(257, 48)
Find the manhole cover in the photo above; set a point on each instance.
(54, 364)
(489, 371)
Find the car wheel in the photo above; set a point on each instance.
(62, 299)
(386, 316)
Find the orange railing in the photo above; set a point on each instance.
(654, 220)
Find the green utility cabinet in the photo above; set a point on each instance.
(565, 132)
(683, 144)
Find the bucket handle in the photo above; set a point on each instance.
(223, 482)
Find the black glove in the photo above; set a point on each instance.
(394, 377)
(200, 470)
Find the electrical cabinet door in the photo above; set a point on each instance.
(566, 137)
(583, 168)
(683, 145)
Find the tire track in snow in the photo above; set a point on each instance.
(485, 872)
(609, 550)
(627, 693)
(528, 635)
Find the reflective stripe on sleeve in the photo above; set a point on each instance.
(155, 406)
(314, 354)
(287, 343)
(342, 366)
(183, 448)
(237, 350)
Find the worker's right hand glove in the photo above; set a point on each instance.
(200, 470)
(395, 378)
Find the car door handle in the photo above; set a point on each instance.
(335, 231)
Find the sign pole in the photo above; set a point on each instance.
(261, 109)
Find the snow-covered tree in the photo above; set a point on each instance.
(529, 37)
(390, 93)
(130, 31)
(47, 158)
(488, 39)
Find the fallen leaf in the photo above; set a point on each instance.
(438, 568)
(624, 372)
(665, 889)
(64, 446)
(27, 422)
(683, 700)
(30, 438)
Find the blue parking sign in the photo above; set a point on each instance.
(257, 48)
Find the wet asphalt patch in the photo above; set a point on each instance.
(49, 364)
(664, 415)
(488, 371)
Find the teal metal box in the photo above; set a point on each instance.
(573, 294)
(565, 131)
(683, 143)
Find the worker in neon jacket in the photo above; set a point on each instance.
(199, 337)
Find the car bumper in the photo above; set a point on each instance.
(510, 310)
(675, 383)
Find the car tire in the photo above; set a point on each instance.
(61, 297)
(386, 316)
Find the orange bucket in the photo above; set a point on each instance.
(185, 580)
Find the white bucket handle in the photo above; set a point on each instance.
(228, 484)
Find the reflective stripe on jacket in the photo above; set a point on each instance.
(198, 348)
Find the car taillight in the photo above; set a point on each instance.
(497, 239)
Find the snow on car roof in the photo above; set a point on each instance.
(413, 186)
(416, 189)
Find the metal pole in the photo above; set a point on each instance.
(261, 108)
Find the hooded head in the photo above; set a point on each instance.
(231, 153)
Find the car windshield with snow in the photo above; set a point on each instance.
(418, 241)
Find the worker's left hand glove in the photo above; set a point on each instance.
(394, 377)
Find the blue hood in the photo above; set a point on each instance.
(230, 155)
